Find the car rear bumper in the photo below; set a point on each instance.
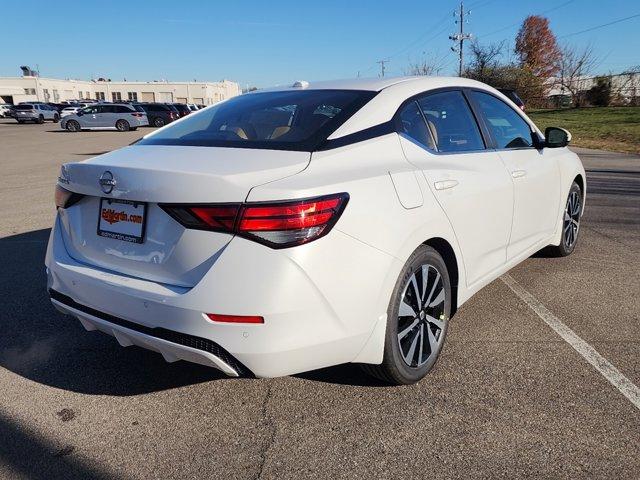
(304, 328)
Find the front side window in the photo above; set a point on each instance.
(290, 120)
(90, 110)
(509, 129)
(451, 122)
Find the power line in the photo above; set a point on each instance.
(544, 12)
(600, 26)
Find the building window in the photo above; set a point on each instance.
(100, 96)
(56, 96)
(87, 95)
(30, 91)
(80, 97)
(116, 96)
(45, 91)
(133, 96)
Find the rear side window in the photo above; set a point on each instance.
(451, 122)
(413, 125)
(290, 120)
(122, 109)
(509, 129)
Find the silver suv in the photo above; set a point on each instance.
(35, 112)
(121, 117)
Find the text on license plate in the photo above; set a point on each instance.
(122, 220)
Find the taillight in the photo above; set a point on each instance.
(138, 114)
(275, 224)
(65, 198)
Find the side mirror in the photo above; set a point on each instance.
(555, 137)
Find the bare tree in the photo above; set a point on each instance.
(427, 66)
(484, 60)
(574, 66)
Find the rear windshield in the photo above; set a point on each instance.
(24, 107)
(180, 107)
(291, 120)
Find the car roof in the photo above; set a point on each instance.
(373, 84)
(391, 96)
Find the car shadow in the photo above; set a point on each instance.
(44, 346)
(347, 374)
(33, 455)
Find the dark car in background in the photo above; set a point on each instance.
(159, 114)
(183, 109)
(513, 96)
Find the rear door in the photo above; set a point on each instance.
(106, 116)
(535, 176)
(441, 136)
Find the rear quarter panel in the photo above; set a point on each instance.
(374, 218)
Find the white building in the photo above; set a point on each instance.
(32, 88)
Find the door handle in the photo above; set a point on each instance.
(445, 184)
(518, 173)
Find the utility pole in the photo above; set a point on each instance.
(382, 62)
(460, 37)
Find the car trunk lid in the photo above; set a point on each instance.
(153, 175)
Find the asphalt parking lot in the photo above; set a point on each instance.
(509, 397)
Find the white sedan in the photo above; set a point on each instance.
(307, 226)
(66, 111)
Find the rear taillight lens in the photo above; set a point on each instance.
(137, 114)
(275, 224)
(65, 198)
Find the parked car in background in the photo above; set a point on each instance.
(317, 224)
(513, 96)
(193, 107)
(35, 112)
(69, 110)
(159, 114)
(57, 106)
(6, 110)
(182, 109)
(119, 117)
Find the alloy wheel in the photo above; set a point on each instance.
(421, 316)
(571, 220)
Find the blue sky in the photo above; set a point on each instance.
(261, 43)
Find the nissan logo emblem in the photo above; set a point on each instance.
(107, 182)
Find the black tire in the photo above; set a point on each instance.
(570, 223)
(158, 122)
(122, 125)
(397, 367)
(72, 126)
(56, 118)
(41, 119)
(133, 129)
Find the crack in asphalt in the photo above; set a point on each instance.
(268, 423)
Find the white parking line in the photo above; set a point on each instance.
(608, 371)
